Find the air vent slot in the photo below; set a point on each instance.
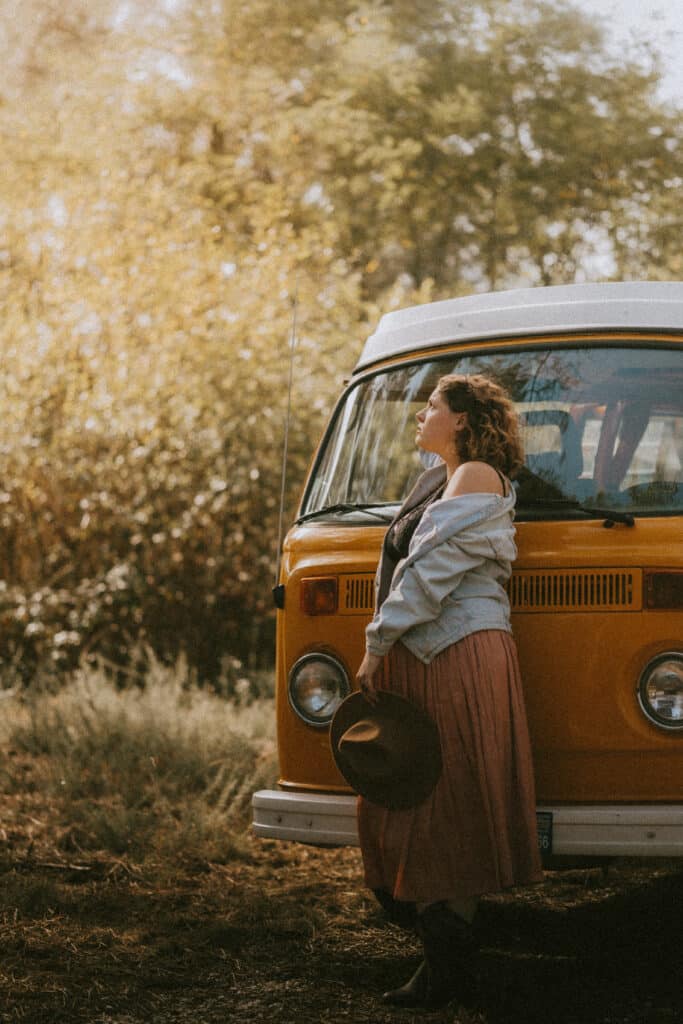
(357, 594)
(578, 590)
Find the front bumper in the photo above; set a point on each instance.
(592, 830)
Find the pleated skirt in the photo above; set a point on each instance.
(476, 832)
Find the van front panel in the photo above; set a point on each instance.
(580, 666)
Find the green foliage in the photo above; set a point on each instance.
(162, 770)
(470, 144)
(163, 205)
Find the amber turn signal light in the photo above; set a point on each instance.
(319, 595)
(663, 589)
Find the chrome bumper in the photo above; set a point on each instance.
(593, 830)
(318, 818)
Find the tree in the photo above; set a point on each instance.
(472, 144)
(163, 203)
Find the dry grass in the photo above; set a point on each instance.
(163, 771)
(287, 934)
(130, 892)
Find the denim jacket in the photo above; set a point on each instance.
(451, 583)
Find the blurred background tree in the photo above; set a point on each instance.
(172, 176)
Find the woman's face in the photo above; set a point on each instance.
(437, 426)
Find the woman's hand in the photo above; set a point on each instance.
(364, 676)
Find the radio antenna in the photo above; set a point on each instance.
(277, 590)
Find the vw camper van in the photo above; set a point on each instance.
(596, 372)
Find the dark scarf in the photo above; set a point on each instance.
(428, 488)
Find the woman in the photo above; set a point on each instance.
(441, 638)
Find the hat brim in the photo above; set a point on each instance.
(399, 793)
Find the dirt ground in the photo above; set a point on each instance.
(286, 934)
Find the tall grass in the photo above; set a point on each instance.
(162, 770)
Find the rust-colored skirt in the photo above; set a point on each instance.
(476, 832)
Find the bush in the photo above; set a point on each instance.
(161, 770)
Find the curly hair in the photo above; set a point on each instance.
(491, 433)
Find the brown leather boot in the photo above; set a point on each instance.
(413, 993)
(399, 912)
(449, 948)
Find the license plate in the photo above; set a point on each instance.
(544, 827)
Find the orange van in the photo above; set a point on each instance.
(596, 372)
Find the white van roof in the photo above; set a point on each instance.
(633, 305)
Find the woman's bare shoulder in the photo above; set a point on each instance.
(474, 478)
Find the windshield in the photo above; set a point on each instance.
(601, 427)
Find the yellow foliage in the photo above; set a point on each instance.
(162, 207)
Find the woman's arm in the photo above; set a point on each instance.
(415, 599)
(427, 582)
(365, 675)
(419, 594)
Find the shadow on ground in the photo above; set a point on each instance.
(288, 934)
(586, 947)
(609, 958)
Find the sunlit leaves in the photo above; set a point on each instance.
(163, 207)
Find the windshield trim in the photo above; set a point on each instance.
(659, 338)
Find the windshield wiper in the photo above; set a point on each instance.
(348, 506)
(610, 515)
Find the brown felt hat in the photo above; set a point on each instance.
(388, 752)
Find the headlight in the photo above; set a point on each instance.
(317, 686)
(660, 690)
